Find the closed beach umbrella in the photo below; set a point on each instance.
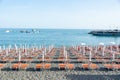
(16, 48)
(117, 48)
(0, 49)
(45, 51)
(113, 53)
(19, 56)
(9, 47)
(43, 56)
(103, 51)
(90, 55)
(64, 51)
(66, 55)
(6, 52)
(49, 49)
(112, 43)
(102, 44)
(3, 47)
(83, 44)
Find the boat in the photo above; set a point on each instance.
(30, 31)
(114, 32)
(7, 31)
(24, 31)
(35, 30)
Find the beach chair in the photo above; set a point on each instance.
(62, 66)
(80, 59)
(11, 59)
(61, 59)
(16, 66)
(85, 66)
(116, 66)
(27, 59)
(4, 59)
(108, 66)
(1, 66)
(47, 66)
(48, 59)
(23, 66)
(39, 66)
(93, 66)
(70, 66)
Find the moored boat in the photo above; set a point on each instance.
(105, 32)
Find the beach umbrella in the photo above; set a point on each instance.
(3, 47)
(45, 50)
(49, 48)
(0, 49)
(19, 56)
(6, 52)
(112, 43)
(117, 48)
(40, 47)
(113, 55)
(25, 51)
(16, 48)
(83, 44)
(103, 49)
(43, 56)
(90, 55)
(96, 49)
(64, 51)
(79, 48)
(33, 50)
(65, 55)
(9, 47)
(23, 48)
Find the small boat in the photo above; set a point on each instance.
(35, 30)
(114, 32)
(24, 31)
(7, 31)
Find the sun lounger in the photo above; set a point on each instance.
(39, 66)
(90, 66)
(62, 66)
(47, 66)
(70, 66)
(94, 66)
(1, 66)
(15, 66)
(108, 66)
(20, 66)
(23, 66)
(85, 66)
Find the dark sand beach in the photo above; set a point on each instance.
(17, 65)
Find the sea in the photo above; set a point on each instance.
(56, 37)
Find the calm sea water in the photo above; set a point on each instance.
(57, 37)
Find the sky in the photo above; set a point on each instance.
(66, 14)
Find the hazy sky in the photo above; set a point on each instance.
(60, 13)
